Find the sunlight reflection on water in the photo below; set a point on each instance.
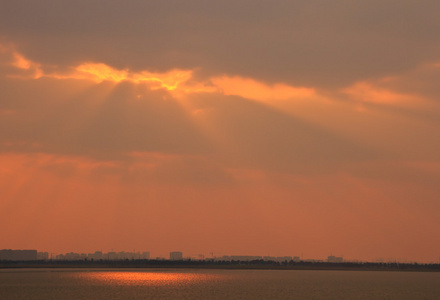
(129, 278)
(117, 284)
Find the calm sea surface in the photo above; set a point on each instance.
(215, 284)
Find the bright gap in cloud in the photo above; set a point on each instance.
(176, 80)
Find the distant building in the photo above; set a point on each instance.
(238, 258)
(269, 258)
(18, 255)
(176, 255)
(245, 257)
(60, 257)
(282, 259)
(95, 256)
(111, 256)
(73, 256)
(334, 259)
(122, 255)
(43, 255)
(311, 260)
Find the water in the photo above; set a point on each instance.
(215, 284)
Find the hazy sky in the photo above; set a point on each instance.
(234, 127)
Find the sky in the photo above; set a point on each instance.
(301, 128)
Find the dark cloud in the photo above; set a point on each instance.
(317, 43)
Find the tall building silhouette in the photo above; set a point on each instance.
(19, 255)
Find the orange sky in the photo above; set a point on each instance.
(234, 128)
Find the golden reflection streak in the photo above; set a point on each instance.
(145, 278)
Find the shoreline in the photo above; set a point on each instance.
(225, 265)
